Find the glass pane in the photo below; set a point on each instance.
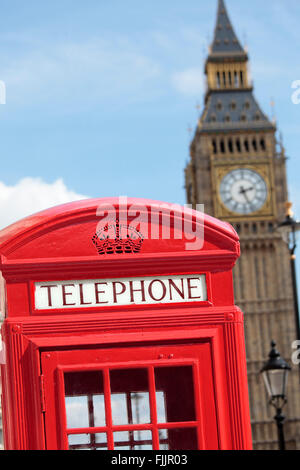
(277, 382)
(129, 396)
(119, 408)
(161, 407)
(79, 441)
(140, 408)
(133, 440)
(77, 412)
(87, 441)
(122, 440)
(163, 439)
(175, 394)
(84, 399)
(143, 440)
(178, 439)
(99, 410)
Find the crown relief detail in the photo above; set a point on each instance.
(117, 238)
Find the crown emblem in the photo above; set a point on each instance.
(117, 238)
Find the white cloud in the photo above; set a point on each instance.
(32, 195)
(189, 81)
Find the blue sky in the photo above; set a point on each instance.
(100, 94)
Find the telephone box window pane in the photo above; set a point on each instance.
(140, 408)
(99, 410)
(87, 441)
(178, 439)
(143, 440)
(133, 440)
(84, 399)
(177, 386)
(122, 440)
(77, 439)
(163, 439)
(101, 441)
(119, 408)
(77, 412)
(161, 407)
(129, 396)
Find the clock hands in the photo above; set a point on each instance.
(244, 192)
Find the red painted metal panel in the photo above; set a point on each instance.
(197, 356)
(59, 245)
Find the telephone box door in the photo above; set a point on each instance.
(158, 397)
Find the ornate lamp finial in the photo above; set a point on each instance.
(289, 212)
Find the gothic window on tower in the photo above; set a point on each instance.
(230, 145)
(238, 276)
(236, 80)
(246, 145)
(214, 144)
(263, 144)
(243, 117)
(222, 146)
(224, 79)
(254, 145)
(264, 266)
(257, 277)
(238, 145)
(242, 78)
(254, 228)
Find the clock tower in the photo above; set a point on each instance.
(237, 169)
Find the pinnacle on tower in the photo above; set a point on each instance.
(225, 42)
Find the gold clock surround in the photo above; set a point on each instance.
(267, 211)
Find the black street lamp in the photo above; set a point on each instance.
(275, 373)
(288, 230)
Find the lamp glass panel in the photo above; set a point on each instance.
(276, 382)
(286, 232)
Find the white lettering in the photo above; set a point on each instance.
(296, 354)
(296, 94)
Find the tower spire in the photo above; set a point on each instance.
(229, 100)
(225, 42)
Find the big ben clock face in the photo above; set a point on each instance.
(243, 191)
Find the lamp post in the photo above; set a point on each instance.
(275, 373)
(288, 230)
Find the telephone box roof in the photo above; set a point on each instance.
(66, 212)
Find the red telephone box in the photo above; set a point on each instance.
(120, 330)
